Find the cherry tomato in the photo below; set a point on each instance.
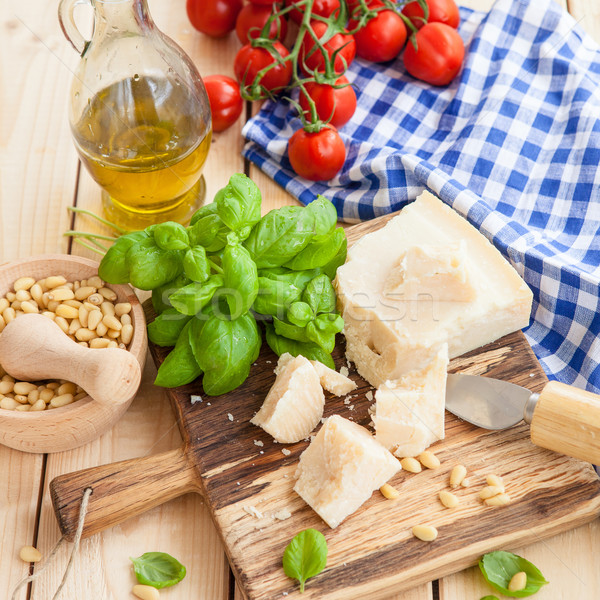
(253, 18)
(337, 103)
(226, 103)
(440, 11)
(263, 2)
(213, 17)
(317, 156)
(439, 56)
(249, 61)
(382, 38)
(311, 56)
(323, 8)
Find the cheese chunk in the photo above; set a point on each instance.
(409, 413)
(294, 405)
(388, 336)
(437, 272)
(341, 468)
(332, 381)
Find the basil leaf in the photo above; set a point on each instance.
(338, 260)
(225, 349)
(151, 266)
(320, 295)
(240, 279)
(280, 235)
(204, 231)
(329, 322)
(158, 569)
(238, 203)
(192, 298)
(195, 264)
(324, 213)
(160, 295)
(305, 556)
(300, 313)
(291, 331)
(203, 211)
(171, 236)
(114, 267)
(280, 345)
(490, 598)
(297, 278)
(499, 567)
(165, 329)
(320, 252)
(180, 367)
(274, 296)
(325, 339)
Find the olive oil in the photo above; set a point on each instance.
(142, 140)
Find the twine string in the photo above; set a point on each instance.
(76, 540)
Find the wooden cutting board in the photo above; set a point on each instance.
(246, 480)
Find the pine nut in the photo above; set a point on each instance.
(62, 323)
(6, 387)
(16, 305)
(96, 299)
(429, 459)
(89, 306)
(494, 480)
(53, 385)
(459, 472)
(54, 281)
(99, 343)
(84, 292)
(146, 592)
(22, 295)
(65, 311)
(114, 344)
(67, 388)
(29, 307)
(23, 407)
(83, 316)
(101, 329)
(61, 400)
(518, 582)
(33, 397)
(490, 491)
(127, 334)
(426, 533)
(107, 293)
(112, 322)
(4, 304)
(74, 326)
(9, 403)
(411, 465)
(23, 283)
(448, 499)
(107, 308)
(83, 344)
(49, 315)
(122, 308)
(36, 293)
(94, 318)
(79, 396)
(47, 395)
(85, 335)
(7, 377)
(61, 294)
(499, 500)
(45, 299)
(2, 323)
(11, 296)
(96, 282)
(24, 387)
(9, 314)
(113, 334)
(389, 492)
(21, 399)
(30, 554)
(39, 405)
(126, 319)
(74, 303)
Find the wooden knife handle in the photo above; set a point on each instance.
(567, 420)
(121, 490)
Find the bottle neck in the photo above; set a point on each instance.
(121, 17)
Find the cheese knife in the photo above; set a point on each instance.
(561, 417)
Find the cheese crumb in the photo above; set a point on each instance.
(253, 512)
(282, 514)
(230, 416)
(369, 396)
(344, 371)
(347, 400)
(285, 452)
(258, 443)
(195, 398)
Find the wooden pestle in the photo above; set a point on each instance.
(33, 347)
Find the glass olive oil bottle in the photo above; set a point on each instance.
(139, 115)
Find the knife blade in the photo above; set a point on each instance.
(562, 418)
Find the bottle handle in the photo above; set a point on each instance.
(68, 26)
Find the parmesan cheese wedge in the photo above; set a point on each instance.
(388, 335)
(294, 405)
(332, 381)
(341, 468)
(409, 413)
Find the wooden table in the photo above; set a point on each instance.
(40, 177)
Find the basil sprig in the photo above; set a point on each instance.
(305, 556)
(158, 569)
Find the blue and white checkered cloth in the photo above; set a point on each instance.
(513, 144)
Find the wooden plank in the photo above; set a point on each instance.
(587, 14)
(36, 184)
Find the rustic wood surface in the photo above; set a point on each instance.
(39, 179)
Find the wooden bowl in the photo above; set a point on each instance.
(70, 426)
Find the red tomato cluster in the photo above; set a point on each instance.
(342, 29)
